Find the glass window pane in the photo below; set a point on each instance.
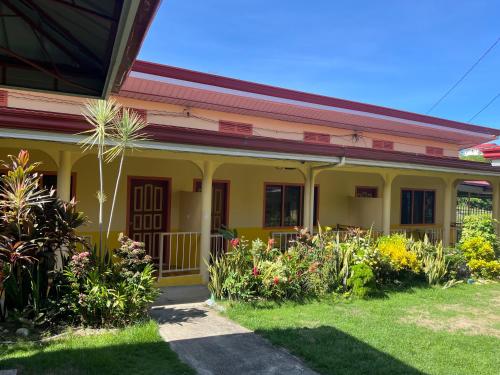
(430, 197)
(418, 207)
(273, 206)
(406, 207)
(292, 206)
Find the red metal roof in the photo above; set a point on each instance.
(161, 83)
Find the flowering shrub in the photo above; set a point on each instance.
(103, 294)
(479, 245)
(395, 249)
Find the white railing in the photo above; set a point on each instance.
(218, 245)
(180, 251)
(282, 239)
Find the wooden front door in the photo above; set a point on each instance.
(149, 210)
(219, 203)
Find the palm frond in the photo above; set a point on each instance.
(126, 133)
(100, 114)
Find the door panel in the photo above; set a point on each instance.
(148, 213)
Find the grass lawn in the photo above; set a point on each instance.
(423, 330)
(134, 350)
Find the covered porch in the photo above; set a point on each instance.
(176, 200)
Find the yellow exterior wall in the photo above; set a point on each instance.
(338, 205)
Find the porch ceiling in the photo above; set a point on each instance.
(80, 47)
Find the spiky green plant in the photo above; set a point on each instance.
(435, 266)
(100, 114)
(125, 133)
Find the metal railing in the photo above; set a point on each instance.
(180, 252)
(218, 245)
(282, 240)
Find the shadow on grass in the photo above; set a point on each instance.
(143, 358)
(331, 351)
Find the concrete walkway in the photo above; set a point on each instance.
(213, 344)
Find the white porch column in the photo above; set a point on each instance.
(308, 214)
(206, 216)
(495, 204)
(386, 203)
(64, 176)
(448, 203)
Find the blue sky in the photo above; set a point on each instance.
(400, 54)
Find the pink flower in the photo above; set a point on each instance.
(255, 271)
(271, 242)
(276, 280)
(235, 242)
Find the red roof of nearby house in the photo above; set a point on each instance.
(492, 153)
(485, 146)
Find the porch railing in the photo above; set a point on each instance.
(282, 240)
(180, 252)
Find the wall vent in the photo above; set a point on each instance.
(434, 151)
(235, 128)
(4, 98)
(383, 145)
(316, 137)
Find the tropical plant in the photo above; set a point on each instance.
(435, 265)
(125, 134)
(37, 233)
(110, 294)
(479, 246)
(362, 280)
(100, 114)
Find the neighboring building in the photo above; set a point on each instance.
(253, 157)
(478, 150)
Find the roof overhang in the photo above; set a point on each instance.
(83, 48)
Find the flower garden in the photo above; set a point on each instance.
(360, 265)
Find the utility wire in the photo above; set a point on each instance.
(463, 76)
(486, 106)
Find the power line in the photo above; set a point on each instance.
(463, 76)
(486, 106)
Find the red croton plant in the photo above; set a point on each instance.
(34, 224)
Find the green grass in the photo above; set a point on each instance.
(422, 330)
(135, 350)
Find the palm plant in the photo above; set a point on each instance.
(125, 133)
(100, 114)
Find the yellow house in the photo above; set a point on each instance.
(256, 158)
